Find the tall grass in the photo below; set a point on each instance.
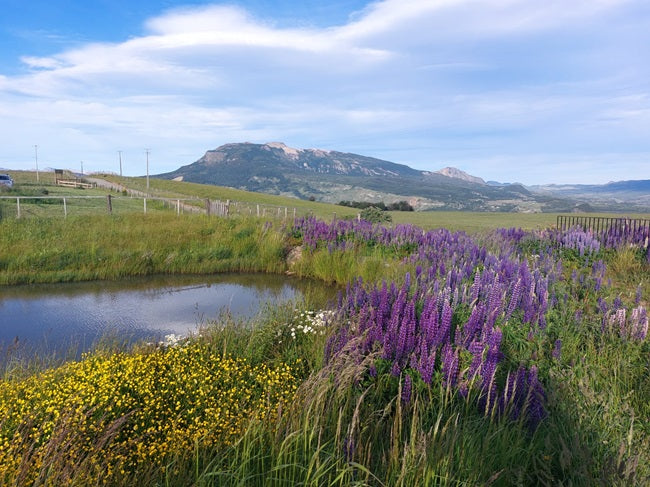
(112, 247)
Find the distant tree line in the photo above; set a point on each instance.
(397, 206)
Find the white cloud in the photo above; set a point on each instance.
(428, 81)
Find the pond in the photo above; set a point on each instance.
(68, 319)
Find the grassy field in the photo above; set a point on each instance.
(496, 358)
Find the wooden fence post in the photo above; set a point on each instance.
(144, 202)
(65, 209)
(109, 204)
(207, 206)
(17, 207)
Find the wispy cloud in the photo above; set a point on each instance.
(499, 86)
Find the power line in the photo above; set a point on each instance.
(147, 152)
(36, 158)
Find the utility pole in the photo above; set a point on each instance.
(147, 152)
(36, 158)
(120, 153)
(82, 168)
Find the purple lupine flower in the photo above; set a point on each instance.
(476, 348)
(494, 301)
(426, 366)
(474, 325)
(449, 366)
(618, 302)
(400, 346)
(407, 389)
(455, 299)
(395, 370)
(328, 353)
(557, 349)
(535, 399)
(442, 333)
(411, 326)
(429, 320)
(617, 319)
(372, 371)
(598, 283)
(514, 298)
(602, 305)
(514, 394)
(639, 323)
(488, 368)
(476, 286)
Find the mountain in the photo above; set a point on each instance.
(332, 176)
(452, 172)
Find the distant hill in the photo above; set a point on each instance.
(631, 195)
(332, 176)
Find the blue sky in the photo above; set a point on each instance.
(508, 90)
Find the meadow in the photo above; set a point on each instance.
(504, 356)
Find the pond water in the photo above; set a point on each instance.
(55, 319)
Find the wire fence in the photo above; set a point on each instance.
(64, 206)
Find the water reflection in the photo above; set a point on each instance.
(55, 317)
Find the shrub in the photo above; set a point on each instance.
(375, 215)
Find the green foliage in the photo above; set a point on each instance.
(375, 215)
(397, 206)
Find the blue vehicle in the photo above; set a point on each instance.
(6, 181)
